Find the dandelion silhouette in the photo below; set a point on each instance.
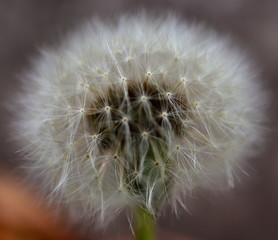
(138, 115)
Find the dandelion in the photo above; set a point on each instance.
(137, 115)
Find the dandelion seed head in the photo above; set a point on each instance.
(112, 122)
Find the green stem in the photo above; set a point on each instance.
(145, 225)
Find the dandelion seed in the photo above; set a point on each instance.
(183, 80)
(144, 134)
(125, 119)
(107, 108)
(164, 114)
(169, 95)
(144, 98)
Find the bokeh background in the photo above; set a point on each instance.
(249, 211)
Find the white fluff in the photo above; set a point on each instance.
(223, 114)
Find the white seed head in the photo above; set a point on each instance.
(146, 138)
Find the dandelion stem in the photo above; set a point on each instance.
(145, 229)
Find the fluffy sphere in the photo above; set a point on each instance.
(137, 113)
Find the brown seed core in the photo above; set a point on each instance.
(123, 105)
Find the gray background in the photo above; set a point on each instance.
(250, 210)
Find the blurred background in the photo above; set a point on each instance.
(249, 211)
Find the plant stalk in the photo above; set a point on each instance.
(145, 225)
